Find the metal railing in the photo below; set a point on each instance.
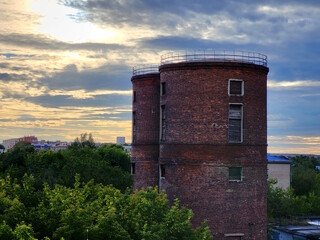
(214, 56)
(144, 69)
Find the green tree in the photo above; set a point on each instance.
(23, 232)
(14, 161)
(85, 140)
(305, 176)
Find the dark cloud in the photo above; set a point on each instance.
(123, 116)
(10, 55)
(185, 43)
(4, 76)
(66, 101)
(136, 10)
(286, 60)
(27, 117)
(38, 41)
(13, 77)
(4, 65)
(171, 13)
(111, 77)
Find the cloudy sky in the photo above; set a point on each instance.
(65, 65)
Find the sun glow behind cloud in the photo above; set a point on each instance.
(59, 22)
(65, 65)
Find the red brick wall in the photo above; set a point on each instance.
(145, 149)
(197, 102)
(196, 152)
(201, 183)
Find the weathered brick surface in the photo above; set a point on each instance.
(145, 148)
(196, 153)
(201, 183)
(146, 106)
(197, 102)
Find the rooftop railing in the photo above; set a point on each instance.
(214, 56)
(144, 69)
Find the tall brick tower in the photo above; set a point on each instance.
(145, 126)
(213, 139)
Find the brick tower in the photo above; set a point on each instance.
(145, 127)
(213, 139)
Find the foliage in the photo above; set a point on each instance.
(13, 162)
(85, 140)
(285, 203)
(42, 196)
(303, 199)
(305, 177)
(103, 211)
(108, 164)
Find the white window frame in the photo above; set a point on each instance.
(230, 235)
(242, 87)
(241, 122)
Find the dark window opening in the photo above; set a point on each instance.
(134, 96)
(134, 126)
(162, 171)
(236, 87)
(163, 88)
(163, 122)
(235, 123)
(235, 174)
(133, 168)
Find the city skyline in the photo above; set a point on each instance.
(66, 65)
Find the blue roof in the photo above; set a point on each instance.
(278, 159)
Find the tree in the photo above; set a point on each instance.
(305, 175)
(85, 140)
(67, 212)
(14, 161)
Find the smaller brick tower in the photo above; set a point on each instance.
(145, 126)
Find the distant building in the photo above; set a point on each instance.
(30, 139)
(279, 168)
(121, 140)
(127, 148)
(48, 145)
(9, 143)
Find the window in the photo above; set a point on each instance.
(133, 168)
(162, 171)
(235, 123)
(163, 122)
(134, 96)
(235, 87)
(235, 174)
(134, 127)
(234, 238)
(163, 88)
